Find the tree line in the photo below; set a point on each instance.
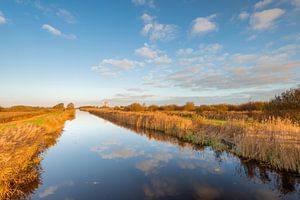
(287, 104)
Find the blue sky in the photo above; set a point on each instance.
(148, 51)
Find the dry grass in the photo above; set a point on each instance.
(14, 116)
(21, 143)
(275, 142)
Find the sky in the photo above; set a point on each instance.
(147, 51)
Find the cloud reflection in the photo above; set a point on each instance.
(155, 162)
(48, 191)
(161, 187)
(207, 192)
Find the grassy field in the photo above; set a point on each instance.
(22, 139)
(273, 142)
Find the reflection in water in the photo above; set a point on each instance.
(52, 189)
(109, 162)
(161, 187)
(49, 191)
(207, 192)
(282, 182)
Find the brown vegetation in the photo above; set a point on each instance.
(21, 144)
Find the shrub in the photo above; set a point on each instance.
(287, 104)
(70, 106)
(189, 106)
(59, 106)
(135, 107)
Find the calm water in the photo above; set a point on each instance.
(95, 159)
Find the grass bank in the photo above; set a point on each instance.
(21, 143)
(273, 142)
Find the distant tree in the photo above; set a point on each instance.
(153, 108)
(70, 106)
(116, 108)
(170, 107)
(135, 107)
(59, 106)
(189, 106)
(221, 108)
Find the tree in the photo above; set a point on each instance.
(59, 106)
(70, 106)
(153, 108)
(287, 104)
(189, 106)
(135, 107)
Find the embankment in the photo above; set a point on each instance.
(21, 143)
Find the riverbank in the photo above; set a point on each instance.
(273, 142)
(21, 143)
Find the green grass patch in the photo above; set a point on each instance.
(216, 121)
(38, 121)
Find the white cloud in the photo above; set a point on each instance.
(67, 15)
(266, 19)
(202, 25)
(262, 4)
(52, 30)
(112, 67)
(157, 31)
(153, 55)
(243, 15)
(184, 52)
(3, 20)
(57, 32)
(146, 51)
(123, 64)
(149, 3)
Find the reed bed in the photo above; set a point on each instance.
(274, 142)
(21, 146)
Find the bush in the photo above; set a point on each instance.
(59, 106)
(287, 104)
(189, 106)
(153, 108)
(70, 106)
(135, 107)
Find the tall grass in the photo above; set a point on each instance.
(275, 142)
(21, 146)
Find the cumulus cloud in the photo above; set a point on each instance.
(66, 15)
(149, 3)
(123, 64)
(57, 32)
(3, 19)
(266, 19)
(184, 52)
(225, 73)
(153, 55)
(111, 67)
(203, 25)
(157, 31)
(262, 4)
(243, 15)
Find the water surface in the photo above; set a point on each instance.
(95, 159)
